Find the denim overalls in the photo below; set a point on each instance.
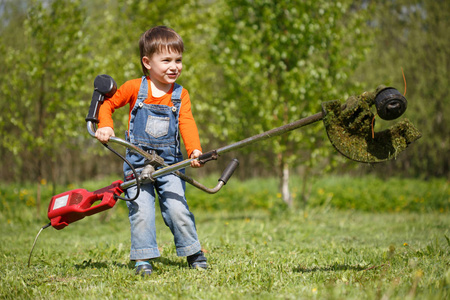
(155, 127)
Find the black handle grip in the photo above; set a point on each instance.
(97, 100)
(104, 86)
(229, 170)
(205, 157)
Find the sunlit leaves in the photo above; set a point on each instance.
(280, 60)
(44, 80)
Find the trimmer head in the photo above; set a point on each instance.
(350, 126)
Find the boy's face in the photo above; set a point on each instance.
(164, 67)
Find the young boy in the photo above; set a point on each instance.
(160, 110)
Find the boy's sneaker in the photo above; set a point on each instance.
(144, 270)
(197, 261)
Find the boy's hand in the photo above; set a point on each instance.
(195, 163)
(103, 134)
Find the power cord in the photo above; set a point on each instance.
(138, 184)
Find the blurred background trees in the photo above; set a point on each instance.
(412, 35)
(280, 59)
(250, 66)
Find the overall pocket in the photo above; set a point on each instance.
(157, 126)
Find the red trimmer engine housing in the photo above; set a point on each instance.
(74, 205)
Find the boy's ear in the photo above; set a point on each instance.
(146, 62)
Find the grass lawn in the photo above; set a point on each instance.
(312, 252)
(293, 255)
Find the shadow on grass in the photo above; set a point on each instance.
(169, 262)
(130, 265)
(333, 268)
(89, 264)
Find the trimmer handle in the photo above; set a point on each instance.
(104, 87)
(229, 170)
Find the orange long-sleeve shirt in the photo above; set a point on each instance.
(127, 94)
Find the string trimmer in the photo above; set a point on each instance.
(349, 128)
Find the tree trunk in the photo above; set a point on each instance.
(40, 134)
(284, 181)
(38, 199)
(305, 194)
(285, 192)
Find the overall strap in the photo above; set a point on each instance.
(176, 96)
(176, 100)
(143, 90)
(176, 92)
(142, 95)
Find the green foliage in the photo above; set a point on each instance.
(42, 82)
(58, 65)
(280, 60)
(344, 192)
(237, 196)
(363, 194)
(369, 194)
(412, 35)
(249, 66)
(378, 195)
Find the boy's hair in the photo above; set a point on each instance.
(158, 39)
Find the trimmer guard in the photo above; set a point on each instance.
(350, 130)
